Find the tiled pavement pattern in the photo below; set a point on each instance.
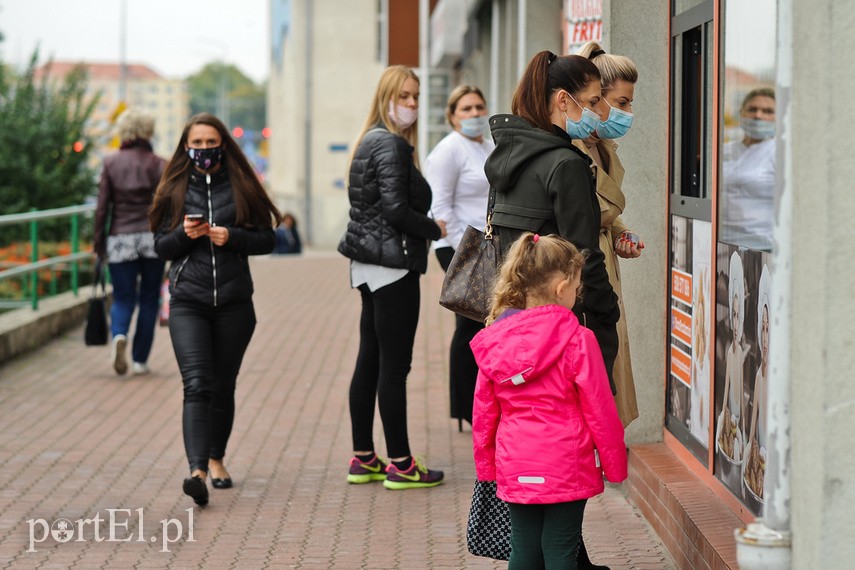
(75, 441)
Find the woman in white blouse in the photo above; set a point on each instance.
(455, 171)
(748, 170)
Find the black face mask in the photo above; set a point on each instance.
(205, 158)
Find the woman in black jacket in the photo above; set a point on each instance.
(210, 213)
(387, 243)
(544, 184)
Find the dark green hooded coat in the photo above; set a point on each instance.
(544, 184)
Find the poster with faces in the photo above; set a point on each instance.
(743, 285)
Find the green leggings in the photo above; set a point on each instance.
(545, 536)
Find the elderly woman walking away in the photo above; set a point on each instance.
(125, 193)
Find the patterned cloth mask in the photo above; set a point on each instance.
(205, 158)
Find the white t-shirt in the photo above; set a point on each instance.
(748, 198)
(455, 171)
(375, 276)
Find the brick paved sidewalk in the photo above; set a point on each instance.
(76, 441)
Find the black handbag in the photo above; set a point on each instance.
(488, 532)
(96, 333)
(468, 285)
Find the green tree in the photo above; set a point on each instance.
(226, 92)
(43, 145)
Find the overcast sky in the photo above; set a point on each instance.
(174, 37)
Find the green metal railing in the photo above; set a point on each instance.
(29, 271)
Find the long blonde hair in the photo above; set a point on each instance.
(390, 85)
(525, 274)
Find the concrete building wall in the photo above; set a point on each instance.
(344, 71)
(823, 307)
(644, 153)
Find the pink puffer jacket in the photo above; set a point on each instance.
(543, 409)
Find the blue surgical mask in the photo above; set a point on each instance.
(582, 128)
(757, 129)
(616, 125)
(474, 127)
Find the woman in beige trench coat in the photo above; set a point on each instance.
(619, 75)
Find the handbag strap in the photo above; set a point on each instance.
(99, 278)
(491, 202)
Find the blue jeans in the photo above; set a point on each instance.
(136, 283)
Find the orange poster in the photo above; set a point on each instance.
(681, 286)
(681, 325)
(681, 365)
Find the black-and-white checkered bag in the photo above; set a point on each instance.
(488, 532)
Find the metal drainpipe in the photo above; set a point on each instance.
(494, 57)
(424, 80)
(522, 9)
(766, 543)
(307, 140)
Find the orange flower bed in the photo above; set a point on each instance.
(20, 253)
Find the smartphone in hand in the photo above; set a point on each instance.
(198, 218)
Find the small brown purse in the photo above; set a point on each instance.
(468, 285)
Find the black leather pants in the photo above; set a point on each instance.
(209, 344)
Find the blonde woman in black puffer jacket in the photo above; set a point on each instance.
(387, 243)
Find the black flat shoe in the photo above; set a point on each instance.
(222, 483)
(195, 488)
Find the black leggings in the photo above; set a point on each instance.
(387, 330)
(462, 368)
(209, 344)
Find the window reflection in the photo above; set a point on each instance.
(747, 189)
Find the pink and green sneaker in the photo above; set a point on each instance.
(374, 470)
(417, 476)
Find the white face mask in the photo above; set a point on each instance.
(474, 127)
(402, 115)
(757, 129)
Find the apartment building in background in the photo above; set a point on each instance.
(166, 99)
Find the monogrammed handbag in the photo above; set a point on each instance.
(488, 532)
(468, 285)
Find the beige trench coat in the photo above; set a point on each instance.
(612, 203)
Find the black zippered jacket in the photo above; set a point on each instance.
(389, 202)
(202, 272)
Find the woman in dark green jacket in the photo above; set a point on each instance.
(546, 185)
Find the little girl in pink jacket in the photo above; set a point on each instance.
(545, 424)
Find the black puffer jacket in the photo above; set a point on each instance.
(202, 272)
(389, 201)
